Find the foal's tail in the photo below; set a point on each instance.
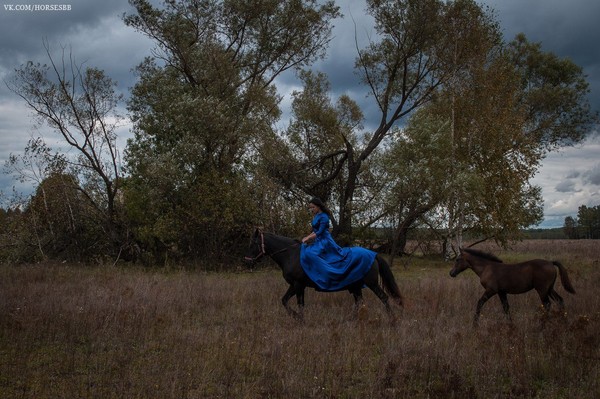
(564, 277)
(389, 282)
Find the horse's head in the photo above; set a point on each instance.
(256, 250)
(460, 264)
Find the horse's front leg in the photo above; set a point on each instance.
(486, 295)
(505, 307)
(285, 301)
(300, 300)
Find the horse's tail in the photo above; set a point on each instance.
(564, 277)
(389, 282)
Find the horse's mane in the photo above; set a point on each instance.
(283, 238)
(484, 255)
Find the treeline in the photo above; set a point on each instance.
(463, 119)
(585, 225)
(545, 234)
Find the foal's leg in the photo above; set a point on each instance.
(545, 298)
(505, 306)
(554, 295)
(486, 295)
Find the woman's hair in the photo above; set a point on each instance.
(317, 201)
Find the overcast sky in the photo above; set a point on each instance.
(97, 36)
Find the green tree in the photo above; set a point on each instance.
(494, 156)
(471, 41)
(401, 71)
(506, 108)
(570, 228)
(34, 166)
(58, 216)
(518, 104)
(554, 93)
(54, 223)
(422, 46)
(415, 169)
(500, 104)
(312, 151)
(199, 106)
(588, 220)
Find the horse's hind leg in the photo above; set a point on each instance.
(557, 298)
(383, 297)
(545, 298)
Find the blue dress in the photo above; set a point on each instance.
(330, 266)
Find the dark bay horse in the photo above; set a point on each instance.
(502, 279)
(286, 253)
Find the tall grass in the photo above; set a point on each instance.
(107, 332)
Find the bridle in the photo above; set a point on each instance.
(262, 250)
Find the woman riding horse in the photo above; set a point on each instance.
(324, 265)
(330, 266)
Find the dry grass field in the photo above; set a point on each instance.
(126, 332)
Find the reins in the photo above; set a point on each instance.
(284, 249)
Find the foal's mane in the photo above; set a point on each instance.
(484, 255)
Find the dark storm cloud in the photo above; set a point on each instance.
(21, 32)
(92, 31)
(569, 29)
(566, 186)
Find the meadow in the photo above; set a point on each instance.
(73, 331)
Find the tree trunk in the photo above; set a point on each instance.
(405, 225)
(344, 231)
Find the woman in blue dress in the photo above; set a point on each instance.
(330, 266)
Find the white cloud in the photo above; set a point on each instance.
(566, 180)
